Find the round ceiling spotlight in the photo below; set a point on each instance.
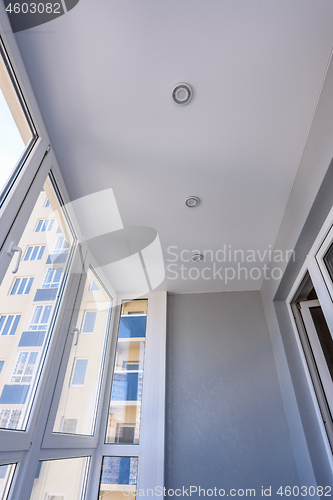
(192, 201)
(181, 93)
(197, 257)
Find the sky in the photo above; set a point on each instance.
(11, 143)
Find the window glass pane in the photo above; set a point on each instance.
(34, 253)
(118, 478)
(81, 385)
(6, 476)
(125, 406)
(28, 254)
(26, 315)
(52, 277)
(9, 324)
(89, 322)
(23, 285)
(79, 373)
(69, 425)
(93, 287)
(46, 315)
(40, 253)
(61, 245)
(15, 131)
(15, 324)
(61, 479)
(15, 287)
(36, 317)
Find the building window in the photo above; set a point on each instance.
(89, 322)
(63, 479)
(34, 252)
(40, 318)
(44, 225)
(24, 368)
(125, 406)
(52, 277)
(9, 323)
(9, 419)
(22, 286)
(2, 362)
(61, 245)
(93, 287)
(47, 203)
(125, 433)
(119, 475)
(79, 372)
(69, 425)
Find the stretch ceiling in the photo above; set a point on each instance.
(103, 75)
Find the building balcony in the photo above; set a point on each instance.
(45, 294)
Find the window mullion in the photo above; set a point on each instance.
(322, 292)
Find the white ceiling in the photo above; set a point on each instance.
(103, 75)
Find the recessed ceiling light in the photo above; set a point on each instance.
(192, 201)
(181, 93)
(197, 257)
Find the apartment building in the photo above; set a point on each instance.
(166, 262)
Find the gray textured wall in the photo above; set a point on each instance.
(309, 443)
(225, 420)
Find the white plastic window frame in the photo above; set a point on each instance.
(150, 450)
(6, 55)
(16, 443)
(21, 447)
(25, 448)
(316, 268)
(56, 440)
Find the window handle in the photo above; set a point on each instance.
(77, 335)
(11, 250)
